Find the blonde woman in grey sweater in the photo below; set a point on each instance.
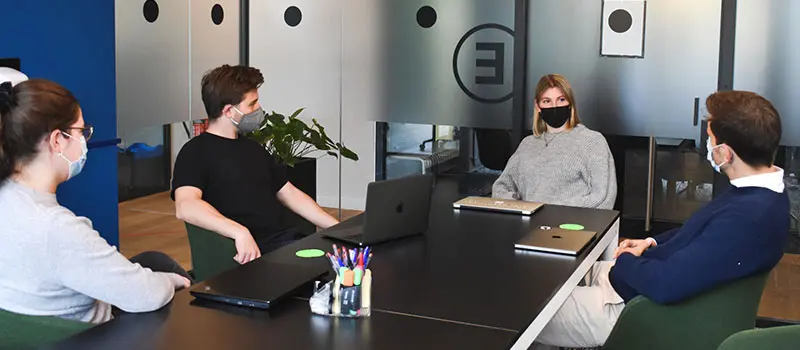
(52, 262)
(563, 162)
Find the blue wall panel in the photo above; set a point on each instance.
(72, 43)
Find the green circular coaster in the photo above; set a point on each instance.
(310, 253)
(571, 227)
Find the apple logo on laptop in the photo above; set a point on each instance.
(399, 208)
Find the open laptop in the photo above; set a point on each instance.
(500, 205)
(556, 240)
(258, 284)
(395, 208)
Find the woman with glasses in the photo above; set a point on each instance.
(52, 262)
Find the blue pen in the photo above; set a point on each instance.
(364, 258)
(369, 258)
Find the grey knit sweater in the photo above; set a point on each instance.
(572, 168)
(53, 263)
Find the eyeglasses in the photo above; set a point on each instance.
(87, 131)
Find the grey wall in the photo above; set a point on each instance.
(160, 63)
(414, 75)
(767, 56)
(152, 64)
(302, 69)
(212, 45)
(629, 96)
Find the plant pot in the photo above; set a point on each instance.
(303, 176)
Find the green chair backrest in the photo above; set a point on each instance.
(775, 338)
(27, 332)
(701, 322)
(212, 253)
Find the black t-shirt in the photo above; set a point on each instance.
(238, 177)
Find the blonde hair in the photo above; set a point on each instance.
(553, 81)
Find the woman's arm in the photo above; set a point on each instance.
(84, 262)
(602, 176)
(505, 187)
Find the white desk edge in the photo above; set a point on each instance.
(605, 247)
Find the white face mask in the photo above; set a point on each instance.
(75, 167)
(709, 156)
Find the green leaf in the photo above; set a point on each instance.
(289, 138)
(297, 112)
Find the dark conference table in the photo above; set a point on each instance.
(461, 285)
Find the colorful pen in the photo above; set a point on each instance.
(369, 258)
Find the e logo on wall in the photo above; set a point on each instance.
(483, 63)
(623, 28)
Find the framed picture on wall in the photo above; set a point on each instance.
(623, 24)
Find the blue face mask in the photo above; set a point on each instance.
(710, 157)
(75, 167)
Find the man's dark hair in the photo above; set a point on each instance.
(227, 85)
(748, 123)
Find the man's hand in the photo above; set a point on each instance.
(634, 246)
(246, 248)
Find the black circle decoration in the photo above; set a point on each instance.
(426, 16)
(217, 14)
(620, 21)
(292, 16)
(150, 10)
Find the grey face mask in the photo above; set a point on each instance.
(250, 122)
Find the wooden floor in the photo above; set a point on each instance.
(149, 223)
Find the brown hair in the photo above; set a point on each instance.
(748, 123)
(553, 81)
(226, 85)
(29, 112)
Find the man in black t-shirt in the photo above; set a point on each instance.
(232, 185)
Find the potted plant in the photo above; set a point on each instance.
(292, 142)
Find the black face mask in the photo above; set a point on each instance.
(556, 117)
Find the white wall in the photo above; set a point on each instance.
(302, 68)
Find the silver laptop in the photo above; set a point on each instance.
(501, 205)
(556, 240)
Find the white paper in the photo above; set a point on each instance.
(629, 42)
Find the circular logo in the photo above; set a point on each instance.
(620, 21)
(499, 62)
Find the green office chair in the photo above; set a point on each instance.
(212, 253)
(702, 322)
(775, 338)
(27, 332)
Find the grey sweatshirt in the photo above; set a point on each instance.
(53, 263)
(572, 168)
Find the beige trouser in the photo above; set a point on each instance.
(587, 316)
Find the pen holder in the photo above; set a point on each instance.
(334, 299)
